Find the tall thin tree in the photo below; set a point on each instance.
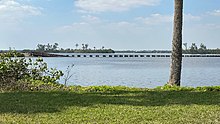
(77, 45)
(176, 58)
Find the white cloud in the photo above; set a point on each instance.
(155, 19)
(75, 26)
(91, 19)
(209, 26)
(190, 17)
(92, 6)
(94, 23)
(12, 11)
(124, 24)
(215, 13)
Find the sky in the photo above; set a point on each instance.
(116, 24)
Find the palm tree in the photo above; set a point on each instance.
(77, 45)
(55, 46)
(83, 46)
(176, 58)
(86, 46)
(185, 45)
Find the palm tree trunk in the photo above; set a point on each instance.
(176, 58)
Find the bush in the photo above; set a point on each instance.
(178, 88)
(14, 71)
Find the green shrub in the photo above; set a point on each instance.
(14, 71)
(105, 88)
(178, 88)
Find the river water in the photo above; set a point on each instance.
(147, 72)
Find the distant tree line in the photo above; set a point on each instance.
(193, 49)
(202, 49)
(84, 49)
(11, 53)
(48, 47)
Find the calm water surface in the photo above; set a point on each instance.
(137, 72)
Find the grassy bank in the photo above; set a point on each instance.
(116, 106)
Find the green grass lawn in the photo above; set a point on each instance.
(133, 107)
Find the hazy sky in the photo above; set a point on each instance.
(117, 24)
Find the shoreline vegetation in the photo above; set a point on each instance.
(53, 50)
